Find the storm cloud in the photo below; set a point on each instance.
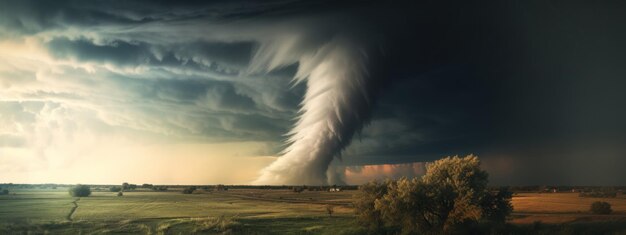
(528, 87)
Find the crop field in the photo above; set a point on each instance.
(563, 208)
(248, 211)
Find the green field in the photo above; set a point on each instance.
(255, 211)
(244, 211)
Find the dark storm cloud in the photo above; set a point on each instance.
(539, 83)
(214, 56)
(439, 113)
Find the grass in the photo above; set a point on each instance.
(255, 211)
(172, 212)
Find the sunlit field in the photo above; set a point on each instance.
(563, 208)
(258, 211)
(246, 211)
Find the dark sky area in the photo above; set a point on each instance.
(534, 88)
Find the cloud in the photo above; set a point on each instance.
(8, 140)
(460, 79)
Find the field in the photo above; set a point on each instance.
(563, 208)
(248, 211)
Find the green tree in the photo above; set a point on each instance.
(363, 202)
(115, 189)
(189, 190)
(453, 192)
(601, 208)
(80, 191)
(497, 205)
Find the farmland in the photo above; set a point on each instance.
(257, 211)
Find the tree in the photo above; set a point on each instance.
(451, 193)
(189, 190)
(221, 187)
(80, 191)
(497, 205)
(159, 188)
(115, 189)
(126, 186)
(601, 208)
(364, 200)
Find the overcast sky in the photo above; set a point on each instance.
(203, 93)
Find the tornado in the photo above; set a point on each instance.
(339, 95)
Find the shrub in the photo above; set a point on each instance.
(221, 187)
(189, 190)
(4, 192)
(451, 194)
(115, 189)
(601, 208)
(119, 194)
(126, 186)
(159, 188)
(80, 191)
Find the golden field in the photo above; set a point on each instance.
(562, 208)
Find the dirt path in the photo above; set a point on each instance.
(69, 216)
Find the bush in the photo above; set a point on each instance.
(189, 190)
(451, 194)
(80, 191)
(115, 189)
(601, 208)
(126, 186)
(4, 192)
(119, 194)
(159, 188)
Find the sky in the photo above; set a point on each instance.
(196, 92)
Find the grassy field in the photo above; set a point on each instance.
(247, 211)
(252, 211)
